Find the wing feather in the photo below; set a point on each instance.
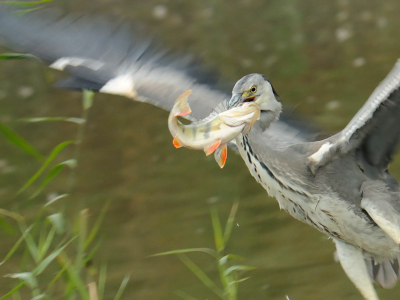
(110, 56)
(374, 131)
(380, 95)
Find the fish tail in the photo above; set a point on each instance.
(181, 106)
(220, 155)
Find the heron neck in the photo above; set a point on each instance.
(267, 117)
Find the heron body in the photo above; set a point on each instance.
(346, 197)
(339, 185)
(314, 202)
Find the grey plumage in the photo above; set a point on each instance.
(383, 203)
(374, 130)
(96, 50)
(349, 195)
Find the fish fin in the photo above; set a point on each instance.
(176, 142)
(182, 105)
(210, 149)
(220, 155)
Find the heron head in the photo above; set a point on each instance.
(254, 88)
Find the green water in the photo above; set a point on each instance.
(324, 58)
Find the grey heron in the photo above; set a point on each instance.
(339, 185)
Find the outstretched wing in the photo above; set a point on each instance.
(109, 56)
(374, 131)
(376, 127)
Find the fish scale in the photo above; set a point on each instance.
(213, 132)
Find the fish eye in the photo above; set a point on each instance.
(253, 89)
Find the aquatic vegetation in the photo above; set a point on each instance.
(229, 272)
(57, 250)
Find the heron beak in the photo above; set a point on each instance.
(248, 97)
(235, 100)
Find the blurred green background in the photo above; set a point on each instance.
(324, 58)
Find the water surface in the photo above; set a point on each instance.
(324, 58)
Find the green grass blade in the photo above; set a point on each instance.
(24, 11)
(24, 3)
(56, 199)
(230, 222)
(184, 296)
(42, 238)
(15, 247)
(27, 277)
(53, 173)
(97, 225)
(219, 241)
(49, 177)
(212, 252)
(226, 280)
(46, 245)
(241, 279)
(58, 276)
(82, 235)
(5, 56)
(122, 287)
(92, 253)
(51, 157)
(102, 281)
(30, 243)
(70, 163)
(201, 276)
(17, 296)
(238, 268)
(223, 260)
(14, 290)
(18, 141)
(69, 290)
(73, 274)
(13, 215)
(44, 264)
(87, 99)
(30, 280)
(52, 119)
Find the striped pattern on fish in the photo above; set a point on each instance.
(213, 133)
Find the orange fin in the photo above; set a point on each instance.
(183, 105)
(176, 142)
(220, 155)
(210, 149)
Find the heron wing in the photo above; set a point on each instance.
(374, 131)
(110, 56)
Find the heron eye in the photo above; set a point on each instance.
(253, 89)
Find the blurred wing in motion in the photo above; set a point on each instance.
(107, 56)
